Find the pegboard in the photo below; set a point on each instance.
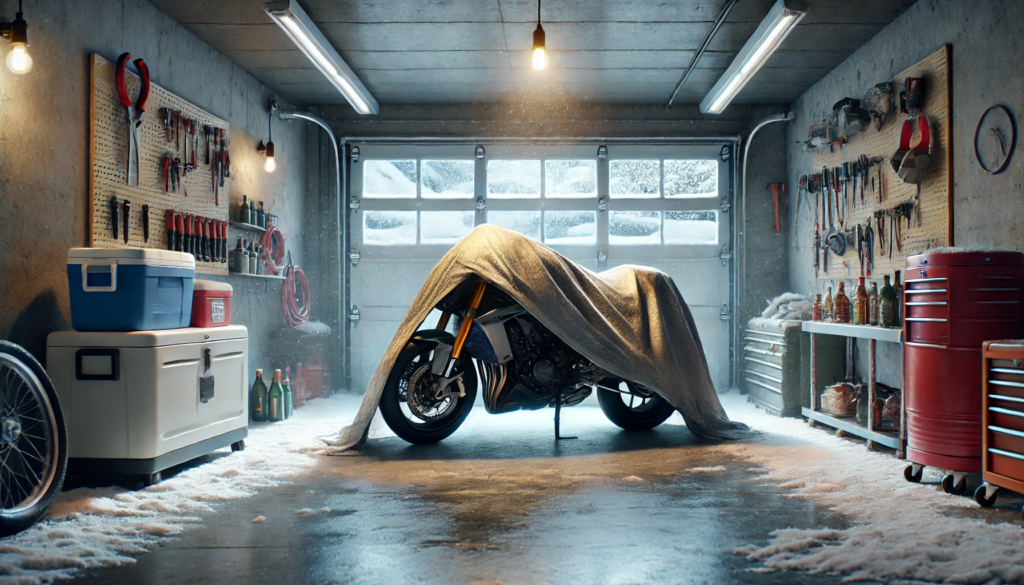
(932, 222)
(108, 139)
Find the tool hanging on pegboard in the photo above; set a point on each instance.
(776, 189)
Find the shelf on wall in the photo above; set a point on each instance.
(850, 425)
(270, 276)
(889, 334)
(245, 226)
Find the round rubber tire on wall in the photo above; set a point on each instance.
(630, 419)
(13, 520)
(396, 420)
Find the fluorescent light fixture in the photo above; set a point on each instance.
(301, 30)
(775, 27)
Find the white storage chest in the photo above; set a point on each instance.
(134, 402)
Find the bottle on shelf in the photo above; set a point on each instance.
(860, 303)
(237, 255)
(842, 304)
(828, 307)
(252, 258)
(275, 399)
(258, 399)
(243, 212)
(816, 310)
(260, 265)
(261, 217)
(243, 267)
(873, 304)
(897, 307)
(886, 304)
(289, 394)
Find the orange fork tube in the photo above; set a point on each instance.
(467, 321)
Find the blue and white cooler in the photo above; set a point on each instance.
(130, 289)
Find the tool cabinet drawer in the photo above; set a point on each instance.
(771, 366)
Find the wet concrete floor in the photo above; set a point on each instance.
(498, 502)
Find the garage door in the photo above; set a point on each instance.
(601, 206)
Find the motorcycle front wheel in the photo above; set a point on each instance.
(634, 407)
(33, 440)
(409, 406)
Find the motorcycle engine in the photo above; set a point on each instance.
(544, 364)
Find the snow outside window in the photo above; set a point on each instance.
(691, 227)
(446, 179)
(691, 178)
(444, 227)
(570, 178)
(389, 179)
(389, 228)
(570, 227)
(513, 179)
(634, 179)
(524, 222)
(634, 227)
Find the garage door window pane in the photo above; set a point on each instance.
(389, 228)
(524, 222)
(389, 179)
(691, 227)
(634, 179)
(513, 179)
(691, 178)
(570, 227)
(570, 178)
(634, 227)
(445, 227)
(446, 179)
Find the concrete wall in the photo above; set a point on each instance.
(554, 115)
(44, 158)
(988, 53)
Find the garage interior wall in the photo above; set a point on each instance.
(987, 210)
(526, 116)
(44, 157)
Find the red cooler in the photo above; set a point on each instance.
(953, 302)
(211, 304)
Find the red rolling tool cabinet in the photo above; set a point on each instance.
(953, 302)
(1002, 460)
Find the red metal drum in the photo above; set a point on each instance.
(952, 303)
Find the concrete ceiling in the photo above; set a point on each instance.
(466, 51)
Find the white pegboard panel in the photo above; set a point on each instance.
(932, 225)
(108, 147)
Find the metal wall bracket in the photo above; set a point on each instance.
(481, 204)
(354, 153)
(602, 257)
(353, 255)
(725, 314)
(726, 153)
(726, 204)
(353, 203)
(480, 152)
(725, 255)
(602, 204)
(602, 152)
(353, 315)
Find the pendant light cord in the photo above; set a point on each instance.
(270, 126)
(538, 12)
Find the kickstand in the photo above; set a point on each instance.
(558, 417)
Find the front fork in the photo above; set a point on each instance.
(441, 387)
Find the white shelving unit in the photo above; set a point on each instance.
(873, 334)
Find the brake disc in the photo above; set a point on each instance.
(420, 396)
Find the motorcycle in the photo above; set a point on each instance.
(518, 363)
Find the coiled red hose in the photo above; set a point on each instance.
(273, 249)
(295, 301)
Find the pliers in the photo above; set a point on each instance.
(134, 120)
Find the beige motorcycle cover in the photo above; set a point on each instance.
(630, 320)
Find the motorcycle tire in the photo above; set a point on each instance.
(643, 418)
(427, 432)
(40, 457)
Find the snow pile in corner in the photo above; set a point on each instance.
(903, 531)
(90, 528)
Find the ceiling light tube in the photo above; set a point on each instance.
(301, 30)
(775, 27)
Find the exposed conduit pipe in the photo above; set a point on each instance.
(700, 51)
(740, 279)
(342, 229)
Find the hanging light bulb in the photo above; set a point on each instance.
(271, 164)
(540, 59)
(18, 60)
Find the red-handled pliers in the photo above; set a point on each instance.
(134, 120)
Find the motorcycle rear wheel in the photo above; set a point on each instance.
(640, 410)
(404, 421)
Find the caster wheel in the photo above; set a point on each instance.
(840, 433)
(238, 446)
(952, 488)
(152, 479)
(979, 496)
(909, 475)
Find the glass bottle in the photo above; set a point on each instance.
(842, 304)
(897, 307)
(289, 396)
(828, 307)
(261, 217)
(252, 258)
(886, 302)
(860, 303)
(873, 305)
(816, 310)
(243, 213)
(258, 399)
(275, 400)
(237, 255)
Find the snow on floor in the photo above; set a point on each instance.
(90, 528)
(903, 532)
